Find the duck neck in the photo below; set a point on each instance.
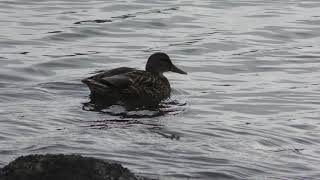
(159, 74)
(156, 73)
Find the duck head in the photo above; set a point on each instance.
(160, 62)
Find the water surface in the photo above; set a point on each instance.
(248, 109)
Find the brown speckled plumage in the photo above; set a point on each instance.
(132, 87)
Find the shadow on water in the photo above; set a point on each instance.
(122, 118)
(153, 127)
(171, 107)
(176, 104)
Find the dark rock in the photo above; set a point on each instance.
(64, 167)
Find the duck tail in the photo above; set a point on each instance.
(96, 87)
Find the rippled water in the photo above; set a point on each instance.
(248, 109)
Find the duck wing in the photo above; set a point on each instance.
(108, 80)
(112, 72)
(128, 78)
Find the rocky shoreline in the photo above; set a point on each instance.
(69, 167)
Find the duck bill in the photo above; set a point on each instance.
(177, 70)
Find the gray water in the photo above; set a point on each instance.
(248, 109)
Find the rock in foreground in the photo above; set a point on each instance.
(64, 167)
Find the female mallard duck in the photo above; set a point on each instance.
(131, 87)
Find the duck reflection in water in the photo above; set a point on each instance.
(133, 88)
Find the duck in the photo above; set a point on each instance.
(131, 87)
